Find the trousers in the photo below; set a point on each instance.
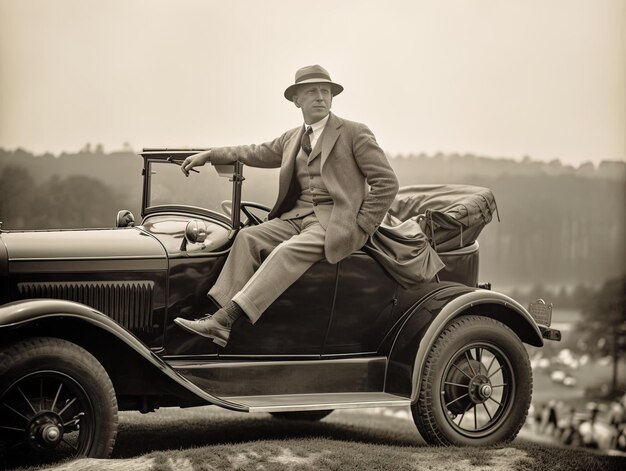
(265, 260)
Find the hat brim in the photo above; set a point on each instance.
(335, 88)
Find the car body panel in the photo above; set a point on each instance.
(363, 309)
(81, 245)
(121, 272)
(426, 321)
(169, 228)
(289, 327)
(17, 315)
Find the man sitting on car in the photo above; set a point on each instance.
(335, 187)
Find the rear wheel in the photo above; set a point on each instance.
(476, 385)
(56, 402)
(308, 415)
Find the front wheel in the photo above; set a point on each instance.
(476, 385)
(56, 402)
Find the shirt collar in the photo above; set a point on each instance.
(319, 125)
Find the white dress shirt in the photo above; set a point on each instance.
(318, 128)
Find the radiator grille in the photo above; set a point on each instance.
(129, 303)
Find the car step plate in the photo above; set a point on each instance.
(302, 402)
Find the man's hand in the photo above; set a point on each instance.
(196, 160)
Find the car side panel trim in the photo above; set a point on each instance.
(20, 314)
(422, 327)
(87, 265)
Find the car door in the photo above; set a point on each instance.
(294, 326)
(363, 310)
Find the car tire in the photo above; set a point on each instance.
(58, 402)
(476, 385)
(308, 415)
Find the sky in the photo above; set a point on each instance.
(499, 78)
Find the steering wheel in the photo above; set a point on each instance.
(245, 206)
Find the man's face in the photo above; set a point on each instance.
(315, 99)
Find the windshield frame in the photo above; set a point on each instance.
(234, 173)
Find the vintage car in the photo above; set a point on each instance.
(86, 329)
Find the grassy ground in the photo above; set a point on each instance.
(211, 439)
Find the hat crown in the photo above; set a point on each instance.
(310, 72)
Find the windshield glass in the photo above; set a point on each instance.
(205, 189)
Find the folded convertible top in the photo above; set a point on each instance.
(452, 216)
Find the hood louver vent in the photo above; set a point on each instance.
(129, 303)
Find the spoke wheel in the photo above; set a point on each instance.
(48, 411)
(56, 402)
(476, 385)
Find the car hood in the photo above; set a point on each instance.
(89, 244)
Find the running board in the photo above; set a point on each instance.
(239, 378)
(304, 402)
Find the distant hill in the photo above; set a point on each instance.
(449, 167)
(121, 168)
(560, 225)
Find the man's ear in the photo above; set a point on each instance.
(295, 101)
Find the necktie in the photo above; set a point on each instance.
(306, 140)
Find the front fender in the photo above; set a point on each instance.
(425, 323)
(79, 323)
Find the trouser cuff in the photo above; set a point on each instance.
(247, 306)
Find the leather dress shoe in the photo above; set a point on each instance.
(207, 327)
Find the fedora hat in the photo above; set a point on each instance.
(312, 74)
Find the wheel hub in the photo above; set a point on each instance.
(45, 431)
(480, 388)
(51, 433)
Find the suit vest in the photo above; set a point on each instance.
(313, 195)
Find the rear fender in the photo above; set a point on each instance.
(427, 320)
(129, 363)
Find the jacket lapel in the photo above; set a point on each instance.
(287, 168)
(330, 136)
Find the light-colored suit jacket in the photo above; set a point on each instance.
(354, 170)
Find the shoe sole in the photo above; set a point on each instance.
(216, 340)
